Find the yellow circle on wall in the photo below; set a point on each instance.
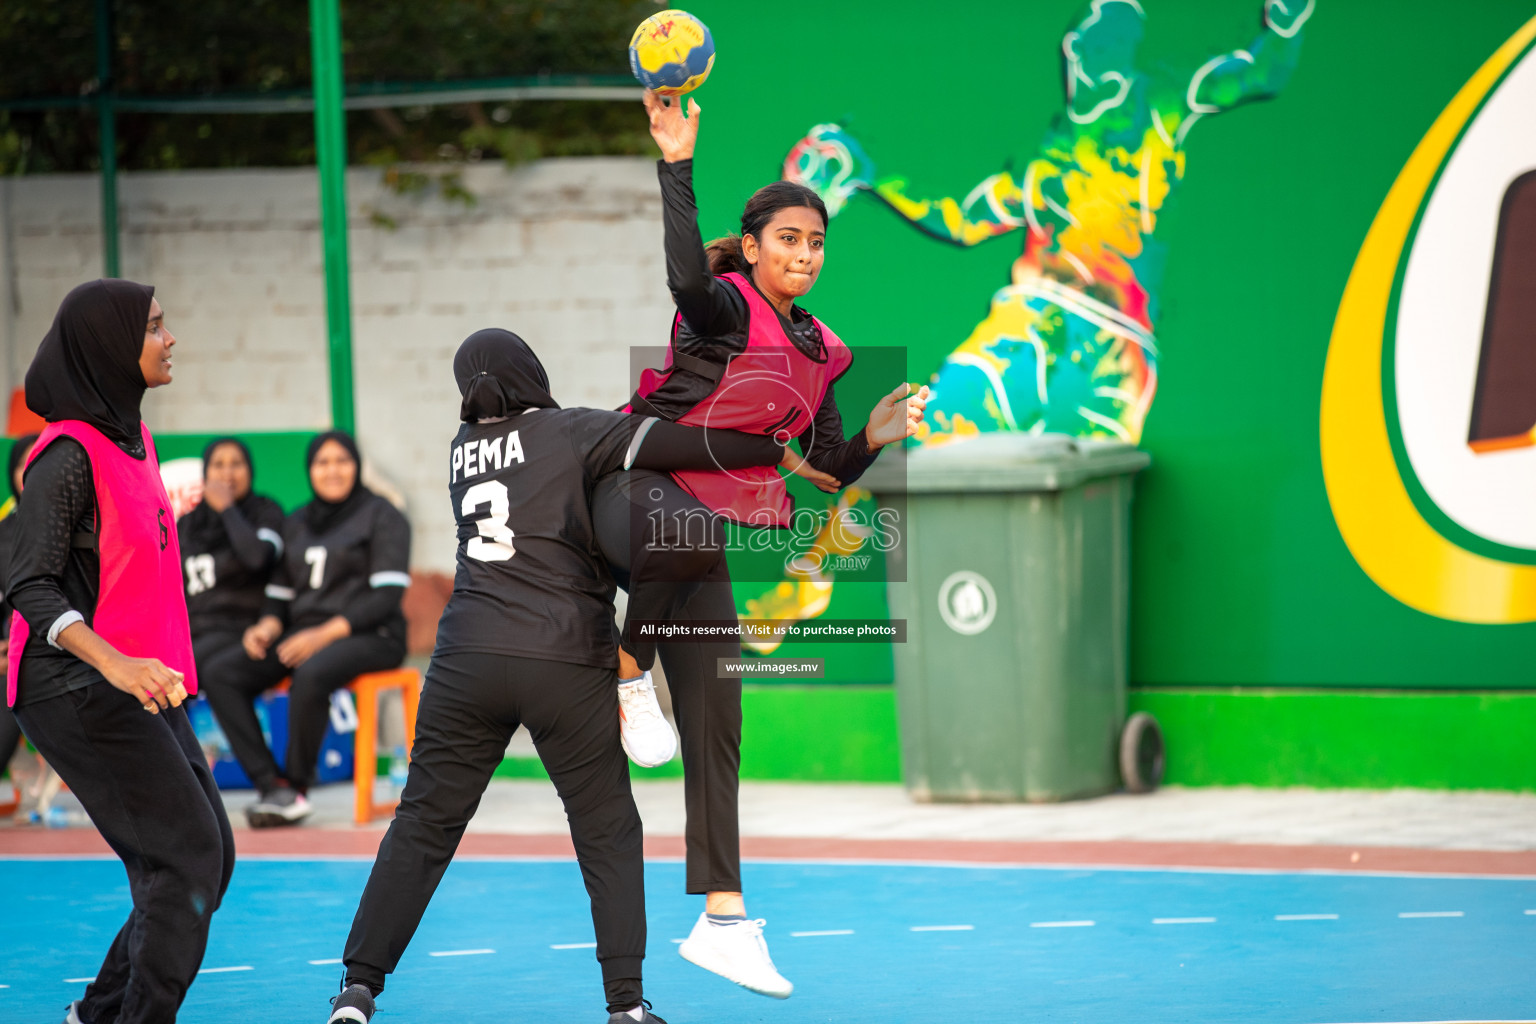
(1384, 530)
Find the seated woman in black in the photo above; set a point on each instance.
(229, 545)
(332, 613)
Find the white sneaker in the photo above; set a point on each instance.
(281, 806)
(647, 737)
(737, 953)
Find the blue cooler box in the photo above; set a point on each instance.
(272, 711)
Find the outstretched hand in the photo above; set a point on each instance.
(830, 162)
(793, 463)
(897, 416)
(675, 134)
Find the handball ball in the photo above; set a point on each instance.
(671, 53)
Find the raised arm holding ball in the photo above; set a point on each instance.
(743, 355)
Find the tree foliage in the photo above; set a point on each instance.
(215, 47)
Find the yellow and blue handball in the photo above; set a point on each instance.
(671, 53)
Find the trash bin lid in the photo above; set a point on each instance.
(1003, 461)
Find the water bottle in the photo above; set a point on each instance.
(399, 770)
(57, 817)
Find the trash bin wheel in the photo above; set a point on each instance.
(1141, 753)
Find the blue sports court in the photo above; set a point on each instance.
(862, 942)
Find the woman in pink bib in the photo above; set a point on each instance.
(101, 654)
(743, 356)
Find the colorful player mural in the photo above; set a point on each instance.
(1070, 345)
(1428, 419)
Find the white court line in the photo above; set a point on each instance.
(944, 928)
(5, 986)
(462, 952)
(1183, 920)
(1531, 913)
(574, 945)
(834, 931)
(678, 942)
(323, 963)
(1306, 917)
(1061, 924)
(1432, 913)
(224, 970)
(79, 981)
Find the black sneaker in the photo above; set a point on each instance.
(646, 1016)
(353, 1006)
(281, 805)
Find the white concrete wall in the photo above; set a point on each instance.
(567, 253)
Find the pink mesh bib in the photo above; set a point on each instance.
(141, 605)
(771, 388)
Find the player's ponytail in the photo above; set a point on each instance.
(725, 254)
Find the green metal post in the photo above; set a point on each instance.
(106, 119)
(331, 149)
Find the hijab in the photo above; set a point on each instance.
(320, 515)
(87, 367)
(499, 376)
(205, 527)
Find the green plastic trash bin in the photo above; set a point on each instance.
(1016, 559)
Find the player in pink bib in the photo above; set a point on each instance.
(744, 356)
(101, 655)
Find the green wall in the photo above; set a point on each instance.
(1216, 737)
(1240, 575)
(278, 456)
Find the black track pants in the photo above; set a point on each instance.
(653, 534)
(10, 736)
(470, 706)
(233, 682)
(143, 781)
(213, 644)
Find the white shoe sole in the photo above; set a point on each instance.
(642, 762)
(702, 957)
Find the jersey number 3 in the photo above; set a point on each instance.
(495, 541)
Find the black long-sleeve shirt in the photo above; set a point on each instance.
(53, 583)
(358, 569)
(7, 541)
(528, 579)
(226, 569)
(715, 317)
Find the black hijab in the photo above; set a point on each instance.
(320, 515)
(205, 527)
(87, 367)
(499, 375)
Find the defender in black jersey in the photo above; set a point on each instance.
(332, 613)
(230, 543)
(527, 638)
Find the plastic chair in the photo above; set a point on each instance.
(365, 762)
(366, 689)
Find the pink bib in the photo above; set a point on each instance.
(141, 605)
(771, 388)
